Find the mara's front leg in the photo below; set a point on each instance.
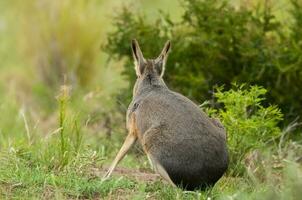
(129, 141)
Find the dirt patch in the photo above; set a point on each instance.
(138, 174)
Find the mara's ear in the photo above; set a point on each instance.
(139, 59)
(161, 60)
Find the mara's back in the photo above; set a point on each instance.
(182, 139)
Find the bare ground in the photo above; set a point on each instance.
(137, 174)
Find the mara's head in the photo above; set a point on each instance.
(149, 71)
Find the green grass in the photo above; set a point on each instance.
(42, 169)
(20, 177)
(68, 162)
(22, 180)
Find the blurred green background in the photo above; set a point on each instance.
(66, 78)
(85, 45)
(45, 44)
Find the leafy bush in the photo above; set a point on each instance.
(216, 43)
(249, 124)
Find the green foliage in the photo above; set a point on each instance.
(218, 44)
(248, 123)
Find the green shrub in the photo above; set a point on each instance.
(218, 44)
(248, 123)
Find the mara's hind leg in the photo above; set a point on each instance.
(159, 169)
(147, 143)
(129, 141)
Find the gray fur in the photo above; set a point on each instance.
(188, 144)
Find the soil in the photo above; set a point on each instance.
(138, 174)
